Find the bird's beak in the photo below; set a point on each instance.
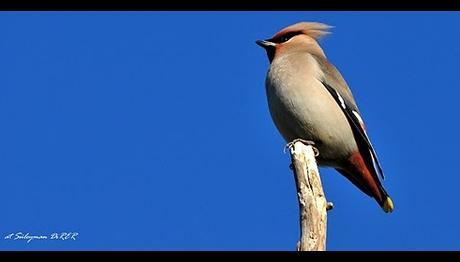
(265, 44)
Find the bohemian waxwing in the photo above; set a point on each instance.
(309, 99)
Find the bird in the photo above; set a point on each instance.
(309, 99)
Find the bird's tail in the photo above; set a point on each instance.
(386, 203)
(370, 185)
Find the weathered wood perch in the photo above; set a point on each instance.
(312, 202)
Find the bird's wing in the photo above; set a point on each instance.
(339, 89)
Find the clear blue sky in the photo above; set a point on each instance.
(151, 131)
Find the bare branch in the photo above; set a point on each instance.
(312, 202)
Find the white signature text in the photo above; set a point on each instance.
(18, 236)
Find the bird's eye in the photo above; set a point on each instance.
(288, 36)
(285, 38)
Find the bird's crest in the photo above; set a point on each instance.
(313, 29)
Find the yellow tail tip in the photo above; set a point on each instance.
(388, 205)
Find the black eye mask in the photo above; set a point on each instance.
(284, 38)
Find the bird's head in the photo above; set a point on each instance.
(302, 36)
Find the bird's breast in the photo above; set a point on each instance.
(302, 108)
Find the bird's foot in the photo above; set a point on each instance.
(303, 141)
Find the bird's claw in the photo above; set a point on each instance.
(303, 141)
